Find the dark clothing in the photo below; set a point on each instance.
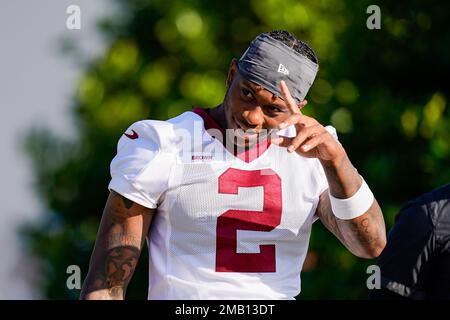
(415, 263)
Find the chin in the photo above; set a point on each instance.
(240, 135)
(244, 144)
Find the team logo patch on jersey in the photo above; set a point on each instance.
(201, 157)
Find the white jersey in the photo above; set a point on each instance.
(226, 226)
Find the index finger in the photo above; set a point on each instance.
(292, 105)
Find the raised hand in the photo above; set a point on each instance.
(312, 139)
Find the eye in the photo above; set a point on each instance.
(247, 93)
(274, 108)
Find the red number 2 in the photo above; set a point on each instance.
(227, 258)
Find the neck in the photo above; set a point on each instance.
(218, 114)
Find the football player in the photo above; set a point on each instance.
(227, 196)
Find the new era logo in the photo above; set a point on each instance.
(282, 69)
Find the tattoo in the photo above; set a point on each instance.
(370, 228)
(327, 217)
(359, 234)
(122, 209)
(361, 231)
(120, 238)
(120, 264)
(343, 181)
(127, 202)
(363, 235)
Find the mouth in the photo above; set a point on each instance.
(242, 132)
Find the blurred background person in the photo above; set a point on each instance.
(415, 263)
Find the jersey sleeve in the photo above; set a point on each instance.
(141, 169)
(405, 262)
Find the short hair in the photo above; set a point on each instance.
(299, 46)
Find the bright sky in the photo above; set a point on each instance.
(36, 83)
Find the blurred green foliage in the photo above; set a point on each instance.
(385, 91)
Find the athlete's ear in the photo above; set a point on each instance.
(232, 72)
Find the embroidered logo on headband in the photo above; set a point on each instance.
(259, 65)
(282, 69)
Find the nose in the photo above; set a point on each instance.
(254, 117)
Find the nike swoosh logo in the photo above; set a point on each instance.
(132, 136)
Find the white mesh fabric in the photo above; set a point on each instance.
(183, 236)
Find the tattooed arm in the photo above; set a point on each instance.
(120, 238)
(364, 236)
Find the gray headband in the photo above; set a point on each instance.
(267, 61)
